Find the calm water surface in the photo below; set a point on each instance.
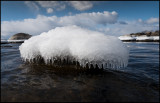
(137, 82)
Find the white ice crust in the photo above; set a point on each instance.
(16, 40)
(82, 45)
(4, 41)
(126, 38)
(12, 41)
(139, 38)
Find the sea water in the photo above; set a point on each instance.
(139, 81)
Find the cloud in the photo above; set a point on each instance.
(62, 7)
(48, 5)
(32, 5)
(31, 26)
(81, 5)
(59, 5)
(152, 20)
(44, 23)
(149, 21)
(123, 22)
(90, 19)
(118, 29)
(49, 10)
(106, 22)
(70, 13)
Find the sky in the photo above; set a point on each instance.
(110, 17)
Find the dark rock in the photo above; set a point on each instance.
(144, 33)
(20, 36)
(156, 33)
(147, 33)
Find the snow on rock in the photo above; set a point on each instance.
(137, 38)
(144, 38)
(4, 41)
(16, 41)
(155, 37)
(76, 44)
(12, 41)
(126, 38)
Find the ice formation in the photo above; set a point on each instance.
(139, 38)
(3, 41)
(16, 41)
(126, 38)
(74, 43)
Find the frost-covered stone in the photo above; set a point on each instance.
(76, 44)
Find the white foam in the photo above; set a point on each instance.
(82, 45)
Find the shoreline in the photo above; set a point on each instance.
(140, 40)
(121, 40)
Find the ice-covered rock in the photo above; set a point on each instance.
(146, 36)
(73, 43)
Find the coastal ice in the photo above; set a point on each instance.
(74, 43)
(144, 38)
(126, 38)
(139, 38)
(4, 41)
(13, 41)
(16, 41)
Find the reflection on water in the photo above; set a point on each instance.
(26, 82)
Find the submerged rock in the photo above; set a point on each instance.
(20, 36)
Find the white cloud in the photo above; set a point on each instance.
(44, 23)
(102, 21)
(149, 21)
(90, 19)
(31, 26)
(81, 5)
(118, 29)
(60, 5)
(49, 10)
(123, 22)
(152, 20)
(32, 5)
(57, 5)
(48, 4)
(140, 20)
(70, 13)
